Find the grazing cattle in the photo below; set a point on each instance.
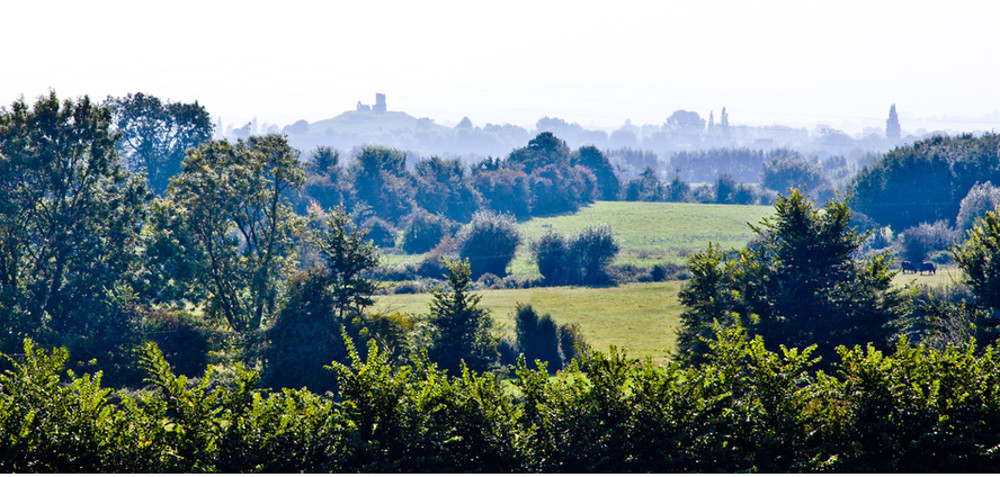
(909, 267)
(928, 267)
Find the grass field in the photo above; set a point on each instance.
(648, 232)
(945, 276)
(640, 316)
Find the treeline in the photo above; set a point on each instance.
(922, 198)
(745, 408)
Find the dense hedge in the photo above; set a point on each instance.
(745, 409)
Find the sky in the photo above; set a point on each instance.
(798, 63)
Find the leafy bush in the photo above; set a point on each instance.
(981, 198)
(423, 231)
(538, 338)
(489, 242)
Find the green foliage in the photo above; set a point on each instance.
(442, 188)
(793, 173)
(979, 258)
(155, 135)
(380, 179)
(580, 260)
(424, 231)
(981, 198)
(925, 181)
(607, 182)
(504, 190)
(322, 304)
(538, 339)
(463, 330)
(70, 217)
(489, 243)
(239, 219)
(746, 408)
(798, 284)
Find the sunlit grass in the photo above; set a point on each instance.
(643, 317)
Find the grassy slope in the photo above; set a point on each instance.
(650, 232)
(640, 316)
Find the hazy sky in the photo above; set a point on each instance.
(799, 63)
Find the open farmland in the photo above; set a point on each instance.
(648, 232)
(641, 316)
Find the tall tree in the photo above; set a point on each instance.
(235, 197)
(70, 216)
(155, 135)
(797, 285)
(464, 330)
(593, 159)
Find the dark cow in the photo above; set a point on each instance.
(928, 267)
(909, 267)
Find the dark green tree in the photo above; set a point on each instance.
(380, 179)
(545, 149)
(782, 174)
(504, 190)
(593, 159)
(799, 283)
(594, 249)
(463, 329)
(555, 261)
(443, 188)
(537, 337)
(489, 243)
(979, 258)
(239, 217)
(70, 219)
(348, 256)
(155, 135)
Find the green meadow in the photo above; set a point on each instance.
(648, 232)
(642, 317)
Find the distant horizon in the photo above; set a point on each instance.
(918, 125)
(800, 64)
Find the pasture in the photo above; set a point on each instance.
(642, 317)
(648, 232)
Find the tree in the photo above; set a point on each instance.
(380, 179)
(979, 258)
(555, 260)
(348, 256)
(156, 135)
(443, 188)
(892, 130)
(593, 159)
(782, 174)
(537, 337)
(489, 243)
(545, 149)
(238, 213)
(70, 217)
(798, 284)
(685, 122)
(594, 249)
(463, 330)
(980, 199)
(424, 231)
(504, 190)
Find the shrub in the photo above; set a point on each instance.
(380, 232)
(489, 243)
(423, 231)
(537, 338)
(980, 199)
